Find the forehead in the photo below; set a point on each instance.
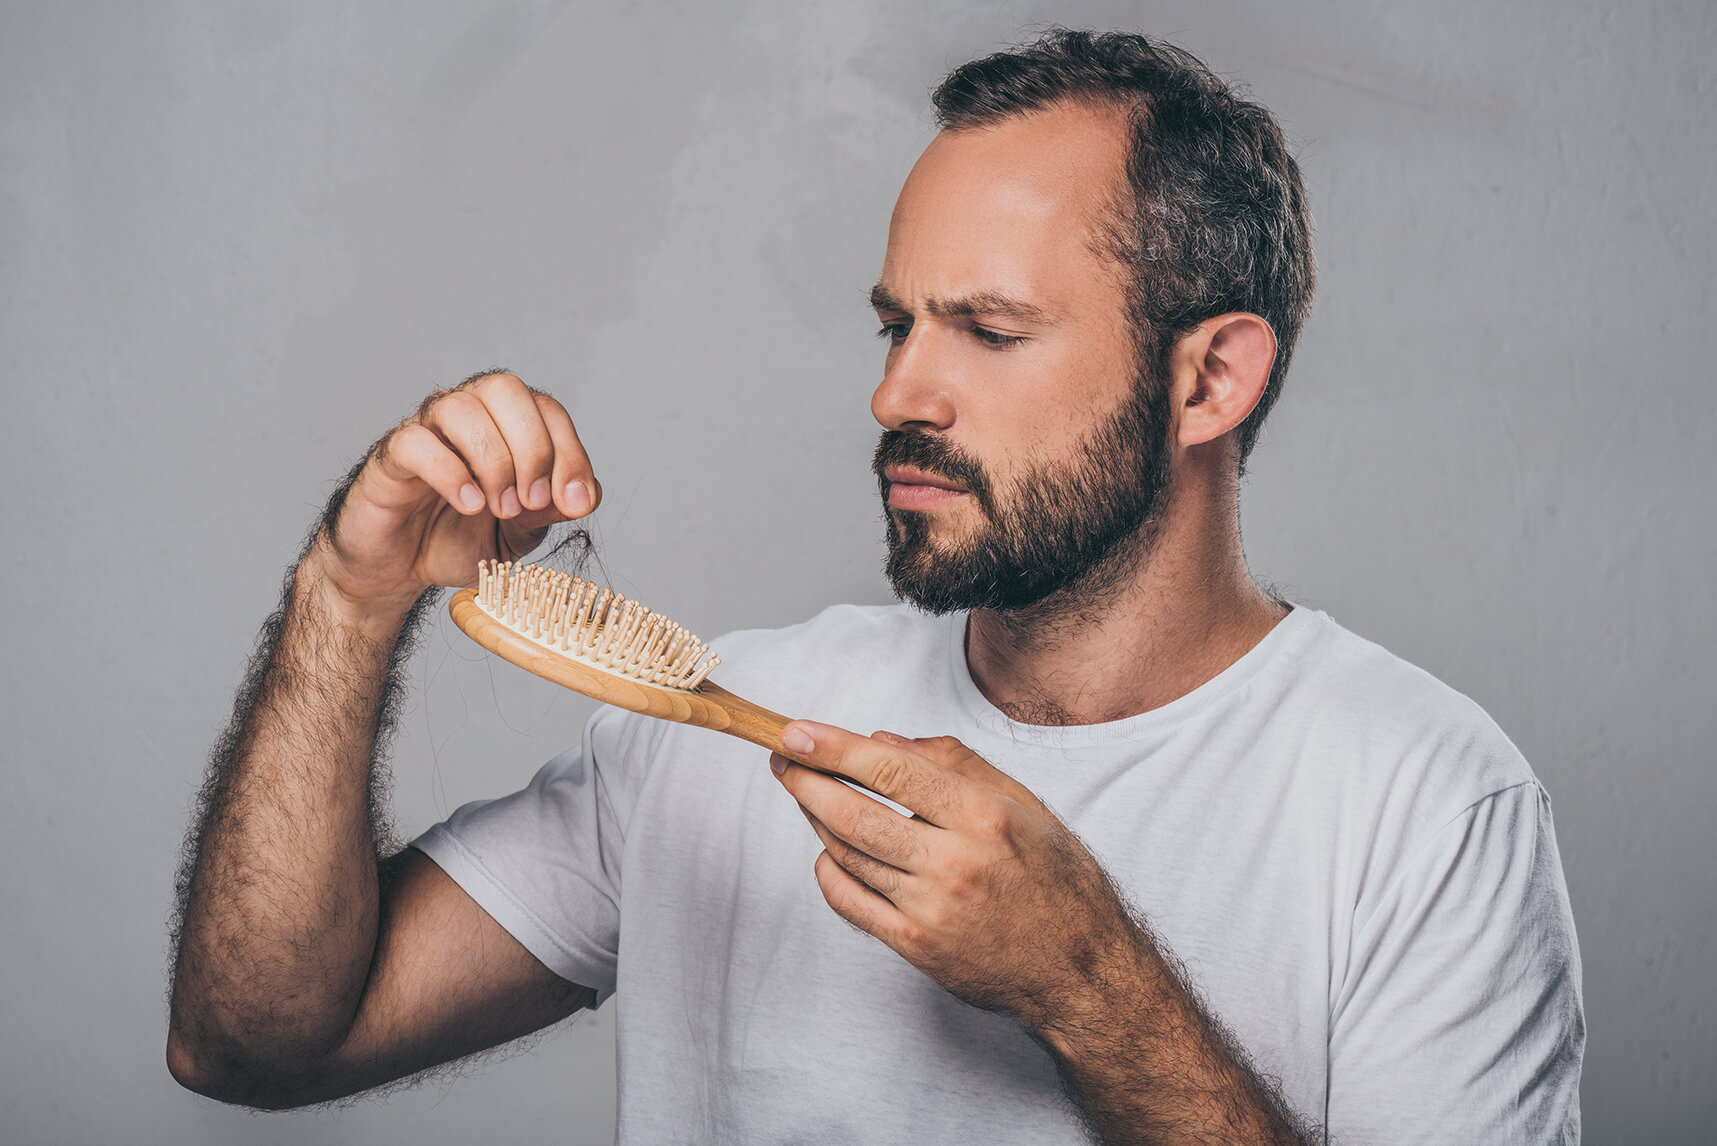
(1015, 207)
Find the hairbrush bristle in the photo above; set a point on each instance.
(577, 619)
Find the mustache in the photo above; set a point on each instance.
(934, 455)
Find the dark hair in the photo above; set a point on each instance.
(1217, 220)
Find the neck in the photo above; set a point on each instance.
(1166, 614)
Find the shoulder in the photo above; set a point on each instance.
(1394, 735)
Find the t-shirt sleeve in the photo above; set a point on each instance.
(545, 861)
(1459, 1019)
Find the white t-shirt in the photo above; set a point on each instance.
(1354, 864)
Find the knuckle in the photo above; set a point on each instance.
(486, 380)
(992, 825)
(875, 876)
(426, 408)
(553, 413)
(408, 436)
(936, 918)
(443, 405)
(938, 791)
(385, 445)
(386, 450)
(846, 857)
(956, 879)
(889, 772)
(487, 447)
(948, 752)
(871, 823)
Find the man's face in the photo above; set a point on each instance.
(1021, 446)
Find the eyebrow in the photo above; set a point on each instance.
(984, 303)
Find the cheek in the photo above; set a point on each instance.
(1039, 409)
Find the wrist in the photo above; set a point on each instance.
(377, 617)
(1111, 994)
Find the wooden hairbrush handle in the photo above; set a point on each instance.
(708, 706)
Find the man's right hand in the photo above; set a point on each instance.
(301, 974)
(481, 470)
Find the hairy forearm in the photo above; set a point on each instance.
(281, 899)
(1147, 1064)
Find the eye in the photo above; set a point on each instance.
(996, 338)
(895, 332)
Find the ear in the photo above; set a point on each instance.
(1220, 369)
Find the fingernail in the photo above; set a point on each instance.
(890, 737)
(539, 493)
(577, 498)
(777, 766)
(796, 740)
(510, 502)
(471, 497)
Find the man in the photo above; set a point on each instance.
(1183, 864)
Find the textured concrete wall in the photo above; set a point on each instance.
(238, 241)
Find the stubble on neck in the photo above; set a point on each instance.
(1164, 613)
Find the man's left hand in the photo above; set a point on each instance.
(982, 888)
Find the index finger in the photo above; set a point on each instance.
(953, 755)
(888, 769)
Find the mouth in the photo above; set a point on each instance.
(913, 488)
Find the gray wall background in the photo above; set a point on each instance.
(239, 241)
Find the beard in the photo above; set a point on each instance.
(1073, 526)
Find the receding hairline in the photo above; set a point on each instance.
(1108, 222)
(1131, 106)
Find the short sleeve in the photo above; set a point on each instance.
(1459, 1019)
(545, 861)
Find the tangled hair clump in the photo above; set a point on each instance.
(1217, 219)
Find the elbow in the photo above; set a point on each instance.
(194, 1068)
(225, 1078)
(241, 1051)
(183, 1065)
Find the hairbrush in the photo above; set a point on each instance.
(598, 643)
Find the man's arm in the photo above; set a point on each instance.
(986, 892)
(1147, 1063)
(1459, 1016)
(307, 967)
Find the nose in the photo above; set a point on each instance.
(913, 394)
